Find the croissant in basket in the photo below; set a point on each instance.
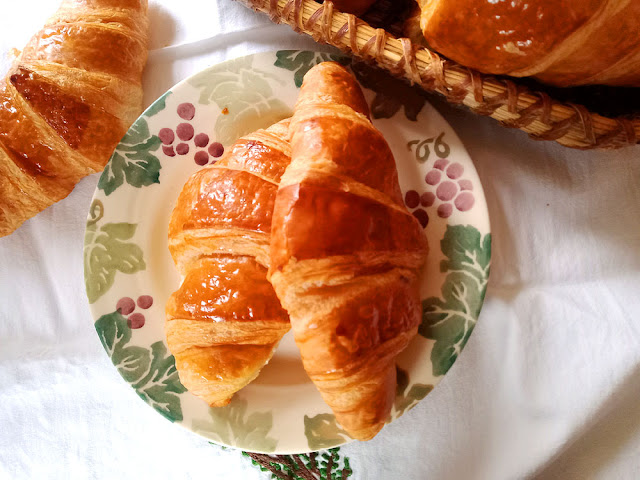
(225, 320)
(357, 7)
(66, 102)
(345, 253)
(564, 43)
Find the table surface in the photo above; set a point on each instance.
(547, 386)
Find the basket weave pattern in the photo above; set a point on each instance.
(512, 104)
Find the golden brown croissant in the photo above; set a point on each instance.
(345, 253)
(67, 100)
(568, 42)
(225, 320)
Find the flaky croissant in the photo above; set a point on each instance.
(67, 101)
(345, 253)
(225, 320)
(572, 42)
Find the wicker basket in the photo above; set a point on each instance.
(507, 100)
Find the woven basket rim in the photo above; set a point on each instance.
(503, 98)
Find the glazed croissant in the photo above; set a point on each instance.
(573, 42)
(67, 100)
(345, 253)
(225, 320)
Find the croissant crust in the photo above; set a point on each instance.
(225, 320)
(345, 253)
(67, 101)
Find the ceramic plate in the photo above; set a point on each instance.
(129, 273)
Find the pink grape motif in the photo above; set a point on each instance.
(201, 140)
(433, 177)
(427, 199)
(188, 139)
(412, 199)
(186, 111)
(451, 189)
(422, 216)
(464, 201)
(445, 210)
(126, 307)
(447, 187)
(441, 163)
(136, 320)
(145, 301)
(455, 170)
(216, 149)
(185, 131)
(446, 191)
(465, 185)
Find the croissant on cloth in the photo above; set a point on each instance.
(571, 42)
(225, 321)
(66, 102)
(345, 253)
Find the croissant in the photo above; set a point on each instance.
(574, 42)
(345, 253)
(357, 7)
(67, 100)
(225, 320)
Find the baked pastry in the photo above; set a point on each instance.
(357, 7)
(225, 320)
(66, 102)
(569, 42)
(345, 253)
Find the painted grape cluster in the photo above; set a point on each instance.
(126, 307)
(447, 187)
(187, 138)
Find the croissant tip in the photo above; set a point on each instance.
(366, 434)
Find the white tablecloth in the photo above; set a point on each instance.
(547, 387)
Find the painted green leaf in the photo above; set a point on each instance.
(131, 362)
(450, 319)
(323, 431)
(113, 332)
(157, 106)
(301, 62)
(133, 161)
(466, 252)
(248, 116)
(105, 253)
(246, 94)
(391, 94)
(407, 396)
(231, 425)
(151, 372)
(417, 392)
(138, 133)
(205, 81)
(160, 386)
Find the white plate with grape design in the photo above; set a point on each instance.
(129, 273)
